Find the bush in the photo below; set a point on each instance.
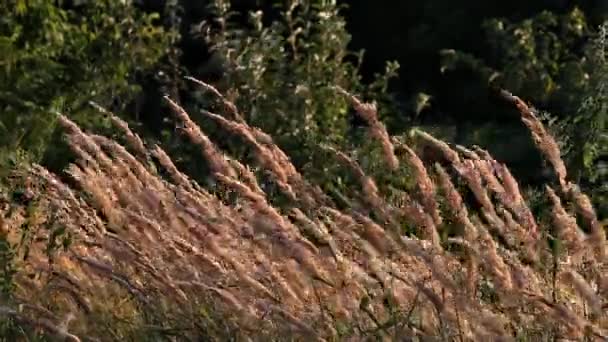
(586, 131)
(542, 58)
(559, 62)
(282, 74)
(57, 57)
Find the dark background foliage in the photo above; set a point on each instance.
(452, 56)
(432, 64)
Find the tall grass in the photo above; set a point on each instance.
(129, 247)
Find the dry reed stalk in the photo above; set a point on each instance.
(231, 107)
(471, 175)
(217, 161)
(451, 305)
(448, 153)
(375, 234)
(486, 170)
(45, 324)
(248, 176)
(77, 137)
(456, 205)
(102, 199)
(567, 229)
(285, 233)
(574, 326)
(494, 263)
(597, 236)
(425, 185)
(543, 140)
(266, 156)
(317, 230)
(270, 156)
(414, 213)
(583, 288)
(369, 113)
(169, 240)
(518, 204)
(371, 195)
(525, 277)
(125, 163)
(64, 198)
(165, 161)
(133, 139)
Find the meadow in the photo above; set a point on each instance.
(126, 246)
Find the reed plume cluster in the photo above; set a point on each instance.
(151, 251)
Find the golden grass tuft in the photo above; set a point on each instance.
(164, 257)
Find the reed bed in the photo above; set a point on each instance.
(152, 253)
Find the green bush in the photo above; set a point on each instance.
(283, 73)
(542, 58)
(587, 130)
(55, 57)
(558, 62)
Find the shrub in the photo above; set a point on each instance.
(57, 57)
(542, 58)
(282, 71)
(559, 62)
(588, 128)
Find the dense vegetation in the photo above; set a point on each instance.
(431, 68)
(189, 170)
(57, 58)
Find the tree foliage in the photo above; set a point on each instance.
(280, 61)
(283, 73)
(587, 129)
(543, 58)
(58, 55)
